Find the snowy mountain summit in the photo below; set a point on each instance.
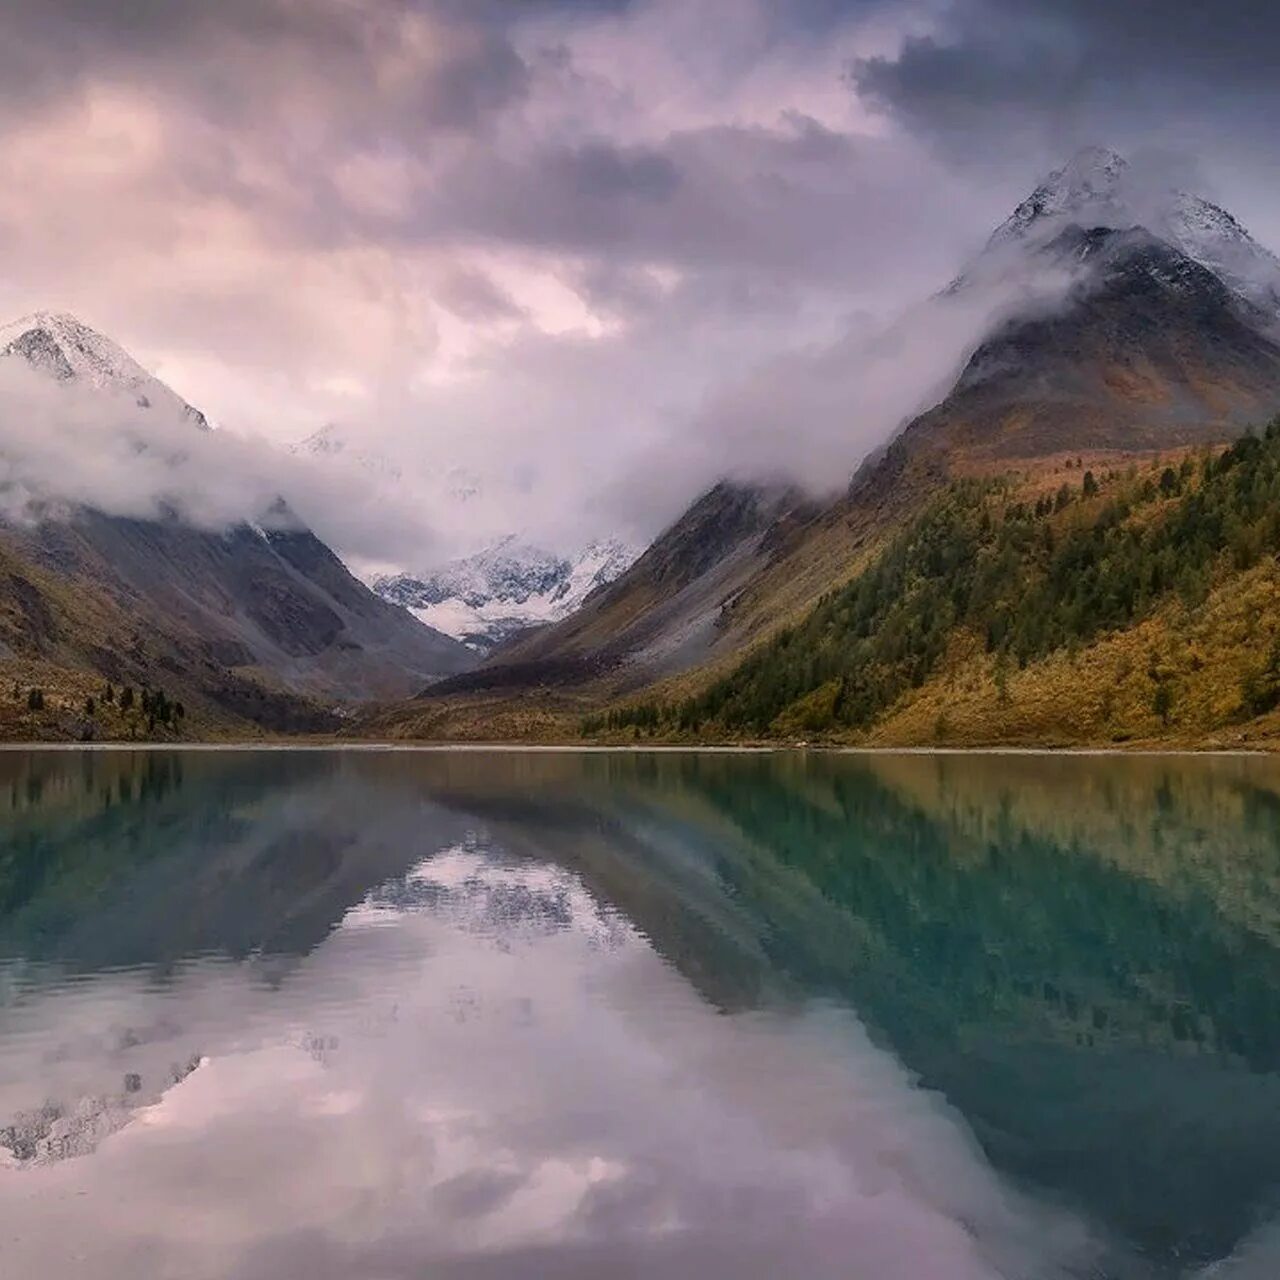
(58, 344)
(1098, 187)
(482, 598)
(1087, 189)
(509, 586)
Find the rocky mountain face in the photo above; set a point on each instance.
(1151, 325)
(259, 623)
(70, 352)
(486, 599)
(1148, 348)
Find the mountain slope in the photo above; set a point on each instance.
(257, 622)
(1148, 349)
(997, 587)
(665, 612)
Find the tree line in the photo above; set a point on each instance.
(1028, 578)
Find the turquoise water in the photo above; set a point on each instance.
(523, 1014)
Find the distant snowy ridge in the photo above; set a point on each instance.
(61, 346)
(485, 598)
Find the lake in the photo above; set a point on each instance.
(349, 1014)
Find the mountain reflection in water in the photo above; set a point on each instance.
(519, 1014)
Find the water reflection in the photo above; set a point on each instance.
(545, 1014)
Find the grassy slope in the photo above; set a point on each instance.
(1100, 688)
(67, 637)
(1105, 693)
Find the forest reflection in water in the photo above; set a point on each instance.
(551, 1013)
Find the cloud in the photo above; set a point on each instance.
(64, 446)
(540, 241)
(471, 295)
(808, 415)
(393, 216)
(1060, 68)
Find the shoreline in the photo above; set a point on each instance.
(512, 748)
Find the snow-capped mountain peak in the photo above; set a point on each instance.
(1098, 187)
(511, 585)
(1088, 185)
(1213, 238)
(63, 347)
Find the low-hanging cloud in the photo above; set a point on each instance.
(525, 241)
(1053, 74)
(66, 447)
(810, 416)
(387, 497)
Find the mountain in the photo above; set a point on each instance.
(258, 621)
(1097, 188)
(1147, 348)
(487, 598)
(1136, 326)
(670, 611)
(59, 345)
(1040, 606)
(664, 613)
(1165, 329)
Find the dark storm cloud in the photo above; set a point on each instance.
(1058, 70)
(293, 112)
(235, 58)
(797, 200)
(603, 172)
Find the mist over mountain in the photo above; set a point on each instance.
(1076, 326)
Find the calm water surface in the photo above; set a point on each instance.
(267, 1015)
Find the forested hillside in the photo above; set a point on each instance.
(999, 578)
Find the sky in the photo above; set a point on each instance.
(588, 255)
